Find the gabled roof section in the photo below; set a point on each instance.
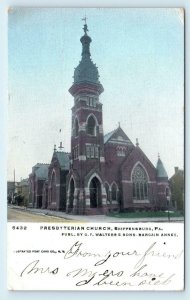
(117, 136)
(63, 159)
(107, 136)
(42, 171)
(140, 156)
(36, 166)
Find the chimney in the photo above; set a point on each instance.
(176, 170)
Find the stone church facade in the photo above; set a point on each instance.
(107, 172)
(103, 172)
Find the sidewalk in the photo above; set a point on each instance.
(94, 218)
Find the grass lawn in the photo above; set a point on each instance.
(146, 214)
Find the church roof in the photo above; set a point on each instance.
(63, 159)
(118, 135)
(108, 135)
(161, 172)
(41, 171)
(86, 73)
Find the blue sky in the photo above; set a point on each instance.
(140, 57)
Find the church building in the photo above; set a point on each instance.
(107, 172)
(57, 174)
(37, 180)
(103, 172)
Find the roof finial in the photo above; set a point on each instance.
(158, 155)
(54, 148)
(119, 124)
(61, 146)
(137, 142)
(84, 19)
(85, 28)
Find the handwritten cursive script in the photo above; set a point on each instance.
(140, 273)
(34, 267)
(121, 277)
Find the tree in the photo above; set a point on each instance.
(177, 189)
(19, 199)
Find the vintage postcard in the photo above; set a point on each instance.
(95, 184)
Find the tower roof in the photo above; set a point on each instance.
(86, 72)
(161, 172)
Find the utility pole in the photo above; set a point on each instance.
(13, 186)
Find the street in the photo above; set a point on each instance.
(15, 215)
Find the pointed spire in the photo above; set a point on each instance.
(137, 142)
(86, 71)
(161, 172)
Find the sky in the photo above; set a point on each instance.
(140, 58)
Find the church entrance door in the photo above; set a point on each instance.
(95, 193)
(40, 202)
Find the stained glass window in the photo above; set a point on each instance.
(140, 183)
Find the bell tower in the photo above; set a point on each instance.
(87, 144)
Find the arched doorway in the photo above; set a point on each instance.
(39, 205)
(71, 195)
(95, 193)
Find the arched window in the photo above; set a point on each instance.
(167, 192)
(140, 183)
(121, 151)
(91, 126)
(107, 191)
(76, 127)
(114, 192)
